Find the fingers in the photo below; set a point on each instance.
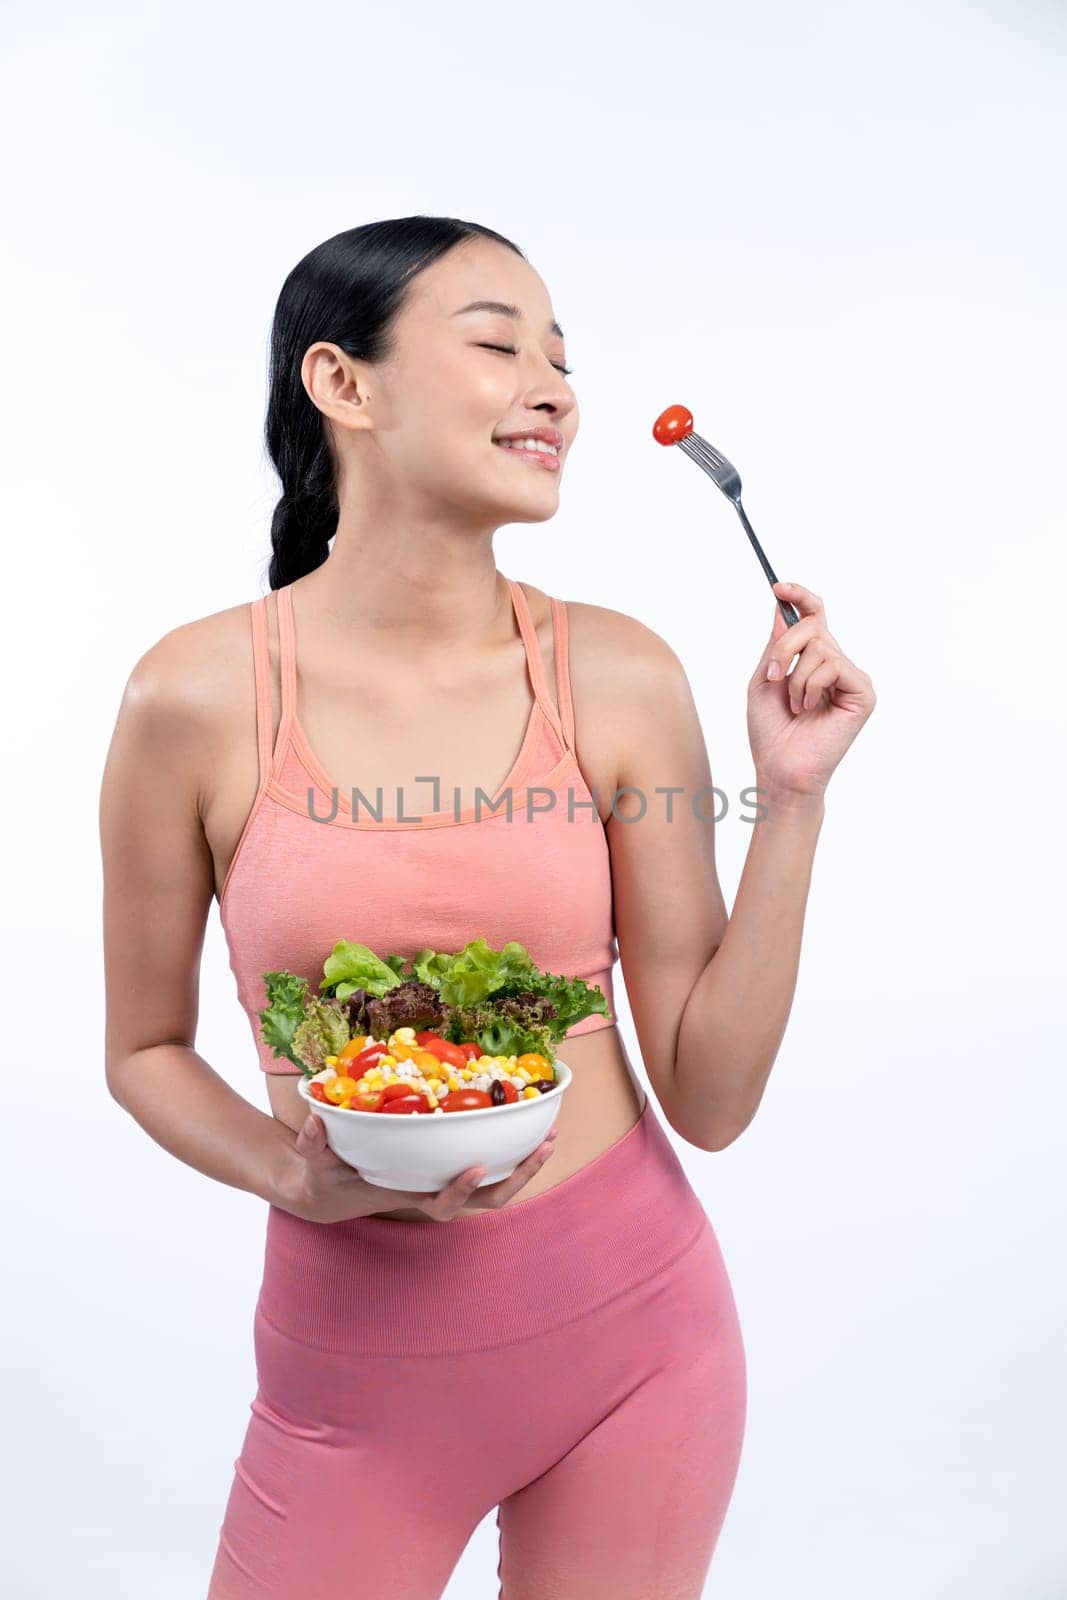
(778, 628)
(820, 656)
(465, 1191)
(312, 1144)
(450, 1200)
(819, 678)
(788, 644)
(816, 670)
(309, 1135)
(498, 1194)
(807, 603)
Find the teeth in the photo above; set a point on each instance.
(528, 444)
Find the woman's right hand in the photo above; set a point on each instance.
(320, 1187)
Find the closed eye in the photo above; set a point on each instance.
(507, 350)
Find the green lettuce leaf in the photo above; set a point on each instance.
(573, 999)
(355, 966)
(476, 972)
(286, 1001)
(323, 1032)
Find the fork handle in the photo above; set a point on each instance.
(786, 607)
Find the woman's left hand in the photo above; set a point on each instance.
(801, 724)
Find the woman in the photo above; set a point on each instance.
(567, 1349)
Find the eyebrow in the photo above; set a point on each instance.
(504, 311)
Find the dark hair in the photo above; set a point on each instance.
(348, 290)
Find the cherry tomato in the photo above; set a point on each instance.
(471, 1051)
(369, 1057)
(337, 1088)
(451, 1055)
(447, 1053)
(366, 1102)
(407, 1103)
(316, 1091)
(435, 1045)
(465, 1100)
(673, 424)
(536, 1064)
(510, 1091)
(396, 1091)
(402, 1052)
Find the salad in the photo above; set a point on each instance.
(437, 1034)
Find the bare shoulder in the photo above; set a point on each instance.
(617, 655)
(193, 678)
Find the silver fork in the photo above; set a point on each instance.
(678, 429)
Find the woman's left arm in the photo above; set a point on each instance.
(711, 995)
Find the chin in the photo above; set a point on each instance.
(530, 513)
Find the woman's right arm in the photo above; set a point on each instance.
(158, 888)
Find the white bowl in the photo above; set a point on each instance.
(425, 1152)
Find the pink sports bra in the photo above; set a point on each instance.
(308, 870)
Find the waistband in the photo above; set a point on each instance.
(381, 1286)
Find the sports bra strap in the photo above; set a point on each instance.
(562, 720)
(533, 657)
(261, 671)
(287, 659)
(561, 651)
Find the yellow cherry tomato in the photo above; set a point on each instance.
(352, 1048)
(535, 1063)
(403, 1052)
(426, 1060)
(335, 1089)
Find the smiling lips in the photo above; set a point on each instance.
(534, 454)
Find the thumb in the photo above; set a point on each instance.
(310, 1135)
(778, 627)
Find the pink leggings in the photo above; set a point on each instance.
(574, 1359)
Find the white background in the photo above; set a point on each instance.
(836, 232)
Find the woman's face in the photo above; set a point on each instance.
(436, 406)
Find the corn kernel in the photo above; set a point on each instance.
(522, 1073)
(331, 1061)
(466, 1072)
(454, 1083)
(403, 1036)
(530, 1093)
(434, 1084)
